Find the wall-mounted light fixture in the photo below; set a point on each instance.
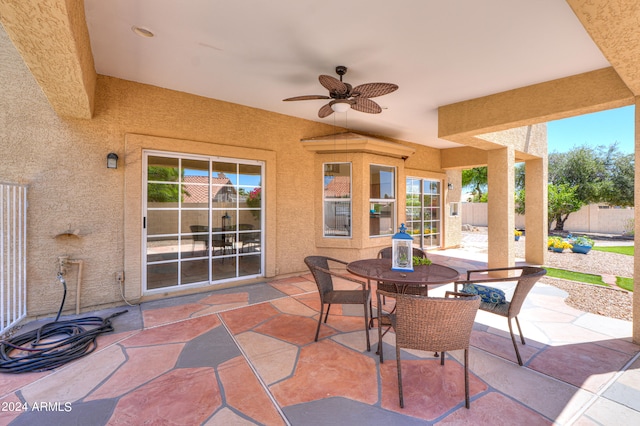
(112, 160)
(450, 185)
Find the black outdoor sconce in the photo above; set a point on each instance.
(112, 160)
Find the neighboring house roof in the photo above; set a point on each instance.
(338, 187)
(197, 189)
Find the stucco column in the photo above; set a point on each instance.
(536, 218)
(636, 215)
(501, 220)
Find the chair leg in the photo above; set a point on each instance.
(319, 320)
(520, 331)
(399, 377)
(466, 378)
(327, 315)
(379, 329)
(370, 304)
(366, 325)
(513, 339)
(371, 312)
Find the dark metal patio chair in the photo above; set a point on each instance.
(198, 236)
(529, 275)
(323, 276)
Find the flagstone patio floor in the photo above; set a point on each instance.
(247, 356)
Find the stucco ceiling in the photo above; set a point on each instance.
(256, 52)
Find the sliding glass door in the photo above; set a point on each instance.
(424, 212)
(202, 220)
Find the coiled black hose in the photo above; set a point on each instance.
(54, 344)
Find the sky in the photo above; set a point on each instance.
(600, 128)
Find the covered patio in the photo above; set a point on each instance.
(79, 84)
(247, 356)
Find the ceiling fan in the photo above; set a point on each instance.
(343, 96)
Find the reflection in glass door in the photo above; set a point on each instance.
(424, 212)
(202, 220)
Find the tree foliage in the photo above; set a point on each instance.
(618, 189)
(582, 168)
(563, 200)
(519, 175)
(582, 176)
(476, 180)
(161, 192)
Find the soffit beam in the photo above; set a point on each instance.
(580, 94)
(613, 26)
(53, 40)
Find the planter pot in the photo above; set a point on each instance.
(581, 249)
(557, 250)
(517, 238)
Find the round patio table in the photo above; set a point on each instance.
(403, 282)
(415, 282)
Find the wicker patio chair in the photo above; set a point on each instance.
(386, 253)
(323, 276)
(434, 324)
(529, 275)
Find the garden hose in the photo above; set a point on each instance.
(54, 344)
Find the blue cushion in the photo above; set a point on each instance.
(487, 294)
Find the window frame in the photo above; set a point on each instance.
(393, 202)
(336, 200)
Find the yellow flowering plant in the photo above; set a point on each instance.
(558, 243)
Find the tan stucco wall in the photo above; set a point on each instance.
(453, 222)
(636, 264)
(528, 141)
(53, 39)
(501, 222)
(64, 162)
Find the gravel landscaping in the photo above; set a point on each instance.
(607, 301)
(596, 299)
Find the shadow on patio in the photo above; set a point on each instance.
(247, 356)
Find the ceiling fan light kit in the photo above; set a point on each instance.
(340, 106)
(344, 96)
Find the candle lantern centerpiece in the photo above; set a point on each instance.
(402, 251)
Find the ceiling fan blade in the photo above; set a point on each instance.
(325, 111)
(333, 85)
(306, 98)
(371, 90)
(366, 105)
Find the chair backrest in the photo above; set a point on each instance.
(199, 228)
(434, 323)
(528, 278)
(386, 253)
(323, 279)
